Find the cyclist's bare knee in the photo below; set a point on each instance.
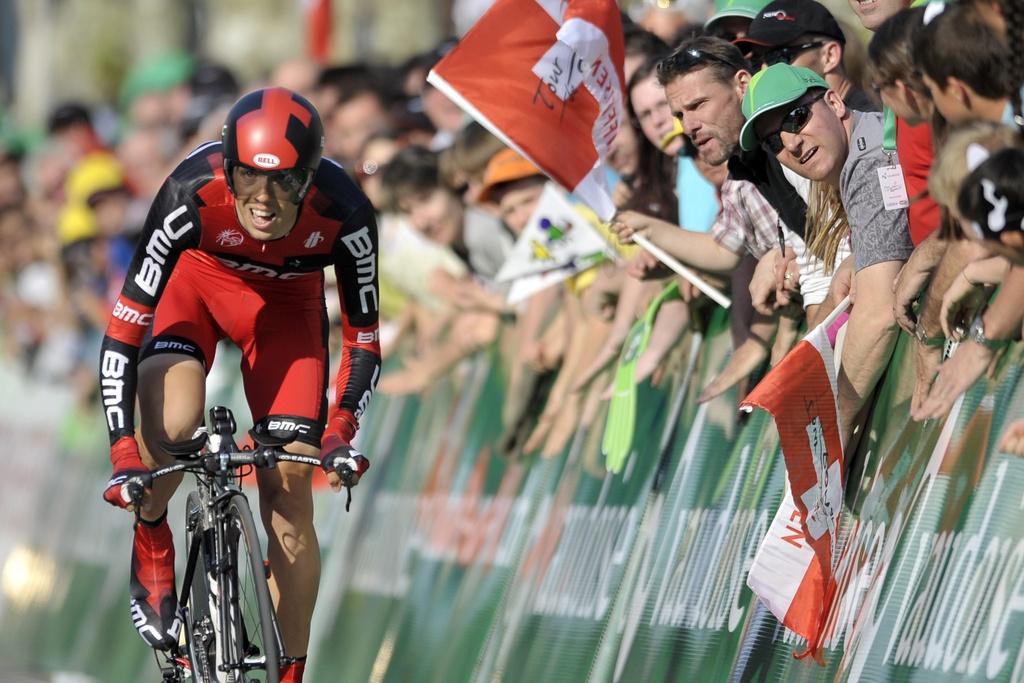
(172, 393)
(286, 491)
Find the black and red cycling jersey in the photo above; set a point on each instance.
(194, 216)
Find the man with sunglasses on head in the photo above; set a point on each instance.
(793, 115)
(803, 33)
(704, 80)
(234, 248)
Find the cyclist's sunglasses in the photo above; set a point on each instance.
(793, 122)
(294, 181)
(787, 53)
(683, 61)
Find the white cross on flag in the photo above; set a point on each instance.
(792, 572)
(545, 76)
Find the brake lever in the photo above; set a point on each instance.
(346, 480)
(136, 492)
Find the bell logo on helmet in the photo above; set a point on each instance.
(266, 160)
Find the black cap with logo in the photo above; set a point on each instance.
(783, 21)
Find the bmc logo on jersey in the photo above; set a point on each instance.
(230, 238)
(159, 247)
(130, 315)
(266, 160)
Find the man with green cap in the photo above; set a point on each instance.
(732, 18)
(793, 115)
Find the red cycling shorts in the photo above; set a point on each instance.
(280, 326)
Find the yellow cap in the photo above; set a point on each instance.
(76, 222)
(95, 173)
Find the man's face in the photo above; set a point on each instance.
(819, 150)
(517, 202)
(710, 112)
(263, 203)
(653, 113)
(873, 12)
(437, 214)
(442, 112)
(352, 123)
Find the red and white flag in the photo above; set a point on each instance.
(545, 76)
(792, 572)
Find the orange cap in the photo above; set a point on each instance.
(504, 167)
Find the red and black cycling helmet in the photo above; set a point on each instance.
(272, 130)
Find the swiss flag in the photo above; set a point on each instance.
(545, 76)
(792, 572)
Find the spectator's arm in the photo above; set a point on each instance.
(699, 250)
(470, 332)
(745, 359)
(870, 336)
(1002, 321)
(913, 278)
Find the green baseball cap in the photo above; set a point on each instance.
(747, 9)
(774, 87)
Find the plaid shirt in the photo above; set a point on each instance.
(747, 220)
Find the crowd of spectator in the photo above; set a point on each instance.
(772, 148)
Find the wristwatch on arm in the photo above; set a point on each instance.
(976, 333)
(922, 337)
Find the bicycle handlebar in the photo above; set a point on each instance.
(191, 456)
(216, 463)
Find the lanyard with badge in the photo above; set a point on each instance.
(890, 176)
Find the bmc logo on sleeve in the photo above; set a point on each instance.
(360, 246)
(112, 367)
(158, 248)
(123, 311)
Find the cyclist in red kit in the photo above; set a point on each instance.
(234, 248)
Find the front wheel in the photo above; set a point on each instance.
(250, 651)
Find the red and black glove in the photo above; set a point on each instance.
(130, 477)
(337, 455)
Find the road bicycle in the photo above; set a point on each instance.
(230, 632)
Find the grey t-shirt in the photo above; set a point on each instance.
(877, 234)
(487, 241)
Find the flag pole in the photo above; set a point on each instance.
(838, 311)
(682, 271)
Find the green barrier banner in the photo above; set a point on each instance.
(680, 613)
(457, 564)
